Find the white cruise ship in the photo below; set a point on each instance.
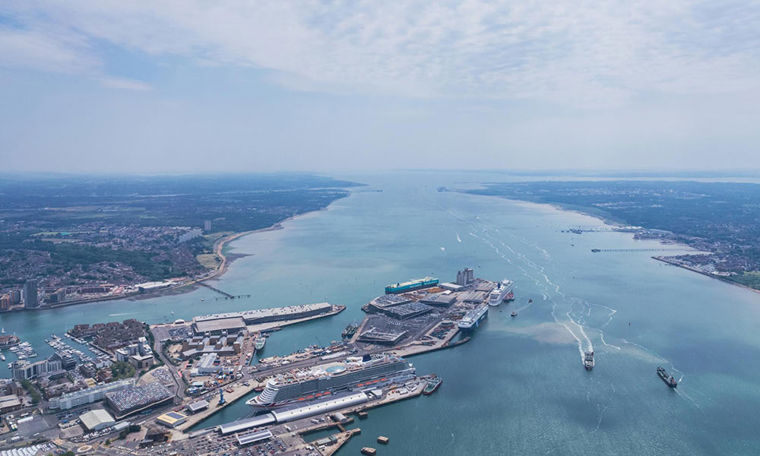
(472, 318)
(503, 291)
(326, 380)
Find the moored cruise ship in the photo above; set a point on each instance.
(472, 318)
(324, 381)
(502, 292)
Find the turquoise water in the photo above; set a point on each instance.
(518, 387)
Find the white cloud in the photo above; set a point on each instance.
(126, 84)
(579, 52)
(45, 50)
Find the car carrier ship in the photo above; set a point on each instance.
(667, 378)
(411, 285)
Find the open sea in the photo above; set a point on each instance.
(518, 387)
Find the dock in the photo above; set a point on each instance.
(402, 325)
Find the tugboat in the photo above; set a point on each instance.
(665, 377)
(513, 314)
(432, 385)
(588, 360)
(349, 331)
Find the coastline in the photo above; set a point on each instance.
(192, 283)
(616, 224)
(722, 279)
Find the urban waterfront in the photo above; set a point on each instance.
(518, 386)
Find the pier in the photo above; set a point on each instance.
(635, 250)
(223, 293)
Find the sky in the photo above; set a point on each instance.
(246, 86)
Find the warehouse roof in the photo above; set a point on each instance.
(222, 324)
(96, 419)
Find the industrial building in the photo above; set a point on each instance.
(375, 336)
(222, 345)
(198, 406)
(405, 311)
(450, 286)
(384, 302)
(465, 277)
(96, 420)
(171, 419)
(9, 403)
(474, 296)
(231, 325)
(231, 321)
(208, 365)
(444, 299)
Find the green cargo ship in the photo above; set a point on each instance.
(411, 285)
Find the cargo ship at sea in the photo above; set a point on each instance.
(303, 385)
(411, 285)
(502, 292)
(473, 318)
(667, 378)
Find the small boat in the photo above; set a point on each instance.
(588, 360)
(665, 377)
(2, 357)
(259, 343)
(431, 386)
(513, 314)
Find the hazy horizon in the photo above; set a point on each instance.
(192, 87)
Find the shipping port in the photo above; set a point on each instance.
(211, 363)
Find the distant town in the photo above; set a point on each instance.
(66, 241)
(720, 220)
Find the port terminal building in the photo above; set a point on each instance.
(233, 322)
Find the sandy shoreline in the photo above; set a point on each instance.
(712, 276)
